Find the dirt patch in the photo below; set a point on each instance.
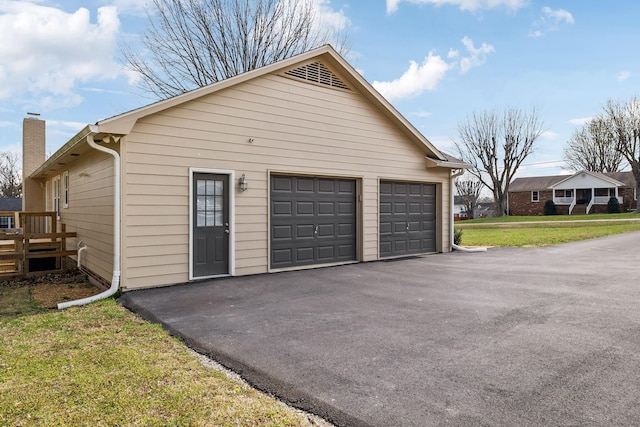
(49, 295)
(23, 295)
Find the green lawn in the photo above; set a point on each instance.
(544, 230)
(100, 365)
(546, 218)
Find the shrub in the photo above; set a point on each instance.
(457, 236)
(550, 208)
(613, 206)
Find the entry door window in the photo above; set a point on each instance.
(210, 203)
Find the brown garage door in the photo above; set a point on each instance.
(407, 218)
(313, 220)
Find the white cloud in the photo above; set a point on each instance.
(52, 50)
(415, 80)
(558, 15)
(327, 17)
(470, 5)
(547, 134)
(423, 114)
(419, 78)
(129, 7)
(66, 125)
(623, 75)
(478, 56)
(550, 21)
(580, 121)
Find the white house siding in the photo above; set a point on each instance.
(90, 211)
(297, 128)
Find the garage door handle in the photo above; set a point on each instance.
(316, 230)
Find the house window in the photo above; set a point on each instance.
(535, 196)
(56, 195)
(65, 190)
(568, 193)
(6, 222)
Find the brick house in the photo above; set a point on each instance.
(580, 193)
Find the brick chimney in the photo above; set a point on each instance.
(33, 156)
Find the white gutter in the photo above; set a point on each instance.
(115, 280)
(455, 247)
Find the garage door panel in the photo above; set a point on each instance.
(304, 185)
(399, 208)
(304, 231)
(281, 208)
(326, 230)
(281, 256)
(346, 230)
(281, 184)
(407, 218)
(346, 186)
(281, 232)
(346, 208)
(323, 221)
(304, 254)
(304, 208)
(326, 208)
(326, 186)
(326, 253)
(385, 228)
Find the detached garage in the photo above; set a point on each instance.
(294, 165)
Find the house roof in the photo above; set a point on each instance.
(123, 123)
(10, 204)
(619, 179)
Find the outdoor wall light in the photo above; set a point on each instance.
(244, 184)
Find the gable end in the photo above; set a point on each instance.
(316, 72)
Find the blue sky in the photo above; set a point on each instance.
(437, 61)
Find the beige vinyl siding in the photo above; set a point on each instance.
(90, 210)
(297, 128)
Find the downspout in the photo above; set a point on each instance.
(81, 248)
(455, 247)
(115, 279)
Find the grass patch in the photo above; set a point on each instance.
(547, 218)
(101, 365)
(539, 233)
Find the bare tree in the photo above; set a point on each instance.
(593, 147)
(10, 175)
(193, 43)
(469, 192)
(625, 123)
(496, 144)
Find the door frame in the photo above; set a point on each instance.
(232, 220)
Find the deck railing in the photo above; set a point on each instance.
(36, 246)
(603, 200)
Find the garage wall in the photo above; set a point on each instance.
(268, 124)
(90, 209)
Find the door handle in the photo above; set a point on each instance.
(226, 230)
(315, 231)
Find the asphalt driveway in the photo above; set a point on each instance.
(527, 336)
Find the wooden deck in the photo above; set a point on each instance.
(37, 245)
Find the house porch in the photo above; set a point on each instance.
(585, 199)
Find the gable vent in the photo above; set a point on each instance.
(317, 73)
